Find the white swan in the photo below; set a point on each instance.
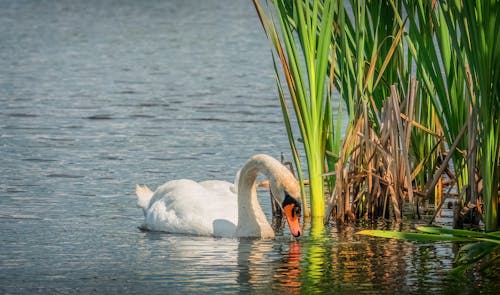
(211, 208)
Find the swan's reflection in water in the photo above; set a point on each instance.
(269, 265)
(288, 274)
(194, 264)
(186, 264)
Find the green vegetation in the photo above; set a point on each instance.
(304, 57)
(420, 82)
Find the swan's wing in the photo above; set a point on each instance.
(185, 206)
(225, 197)
(219, 187)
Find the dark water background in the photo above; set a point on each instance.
(96, 96)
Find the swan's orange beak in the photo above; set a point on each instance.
(292, 214)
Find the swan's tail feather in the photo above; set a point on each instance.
(144, 195)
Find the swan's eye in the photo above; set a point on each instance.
(296, 211)
(290, 201)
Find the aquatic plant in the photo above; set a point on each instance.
(373, 165)
(303, 46)
(378, 173)
(455, 46)
(369, 55)
(476, 33)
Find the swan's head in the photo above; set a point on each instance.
(292, 209)
(288, 196)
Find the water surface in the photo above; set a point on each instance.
(96, 96)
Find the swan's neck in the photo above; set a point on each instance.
(252, 221)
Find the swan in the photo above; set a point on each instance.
(219, 208)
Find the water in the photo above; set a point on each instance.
(96, 96)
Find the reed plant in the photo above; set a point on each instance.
(369, 59)
(455, 45)
(367, 52)
(303, 46)
(437, 67)
(477, 35)
(451, 49)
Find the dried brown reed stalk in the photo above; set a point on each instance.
(373, 174)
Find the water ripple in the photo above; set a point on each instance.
(100, 117)
(62, 175)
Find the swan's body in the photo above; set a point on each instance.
(188, 207)
(218, 208)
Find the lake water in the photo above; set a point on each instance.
(96, 96)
